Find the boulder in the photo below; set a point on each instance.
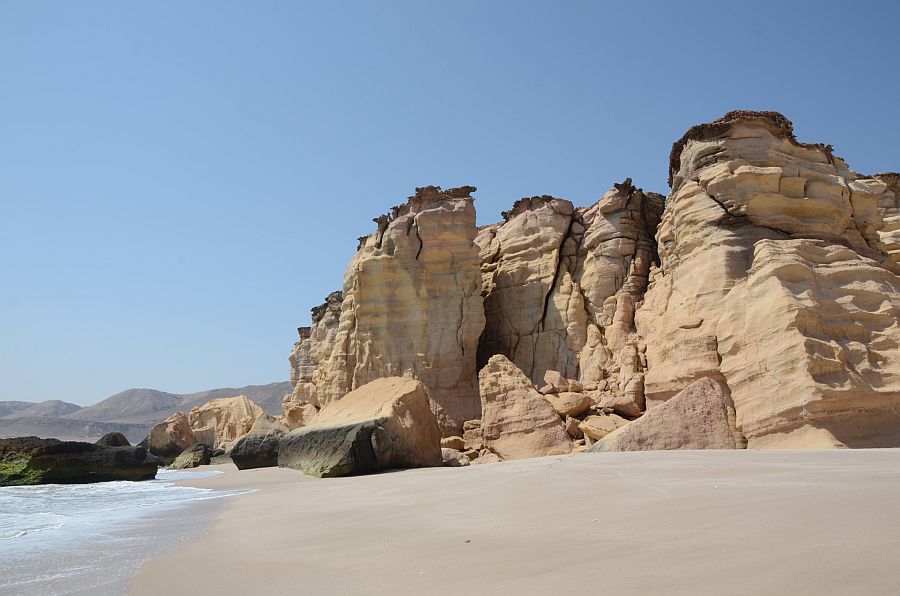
(198, 454)
(698, 417)
(113, 439)
(559, 384)
(457, 443)
(454, 458)
(569, 404)
(30, 460)
(297, 414)
(205, 435)
(572, 428)
(597, 427)
(231, 417)
(387, 423)
(487, 458)
(170, 437)
(259, 447)
(624, 404)
(517, 421)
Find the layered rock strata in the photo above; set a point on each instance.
(775, 280)
(411, 306)
(561, 286)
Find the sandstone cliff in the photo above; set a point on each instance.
(775, 279)
(411, 306)
(771, 268)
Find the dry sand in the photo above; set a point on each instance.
(727, 522)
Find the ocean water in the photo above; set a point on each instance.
(90, 538)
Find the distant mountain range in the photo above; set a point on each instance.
(132, 412)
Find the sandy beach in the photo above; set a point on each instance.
(716, 522)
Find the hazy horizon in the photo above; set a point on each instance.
(182, 183)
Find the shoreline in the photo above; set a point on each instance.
(675, 522)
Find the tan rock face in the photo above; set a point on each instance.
(170, 437)
(517, 421)
(387, 423)
(597, 427)
(231, 417)
(411, 307)
(699, 417)
(776, 280)
(561, 286)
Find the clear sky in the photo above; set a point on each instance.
(181, 181)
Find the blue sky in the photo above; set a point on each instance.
(181, 182)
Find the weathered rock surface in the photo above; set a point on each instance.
(113, 439)
(561, 286)
(205, 435)
(569, 404)
(454, 458)
(454, 442)
(777, 279)
(197, 454)
(387, 423)
(517, 421)
(231, 417)
(597, 427)
(411, 306)
(170, 437)
(259, 447)
(30, 460)
(698, 417)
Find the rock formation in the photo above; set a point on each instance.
(30, 460)
(772, 270)
(198, 454)
(387, 423)
(561, 285)
(259, 447)
(775, 280)
(411, 306)
(517, 421)
(231, 417)
(698, 417)
(170, 437)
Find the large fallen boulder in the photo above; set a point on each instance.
(231, 417)
(198, 454)
(387, 423)
(696, 418)
(517, 421)
(170, 437)
(259, 447)
(31, 460)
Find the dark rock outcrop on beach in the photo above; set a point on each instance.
(31, 460)
(385, 424)
(259, 447)
(113, 439)
(198, 454)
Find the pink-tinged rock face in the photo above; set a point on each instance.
(517, 422)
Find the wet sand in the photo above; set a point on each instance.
(727, 522)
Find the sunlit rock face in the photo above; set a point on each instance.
(778, 278)
(561, 285)
(411, 306)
